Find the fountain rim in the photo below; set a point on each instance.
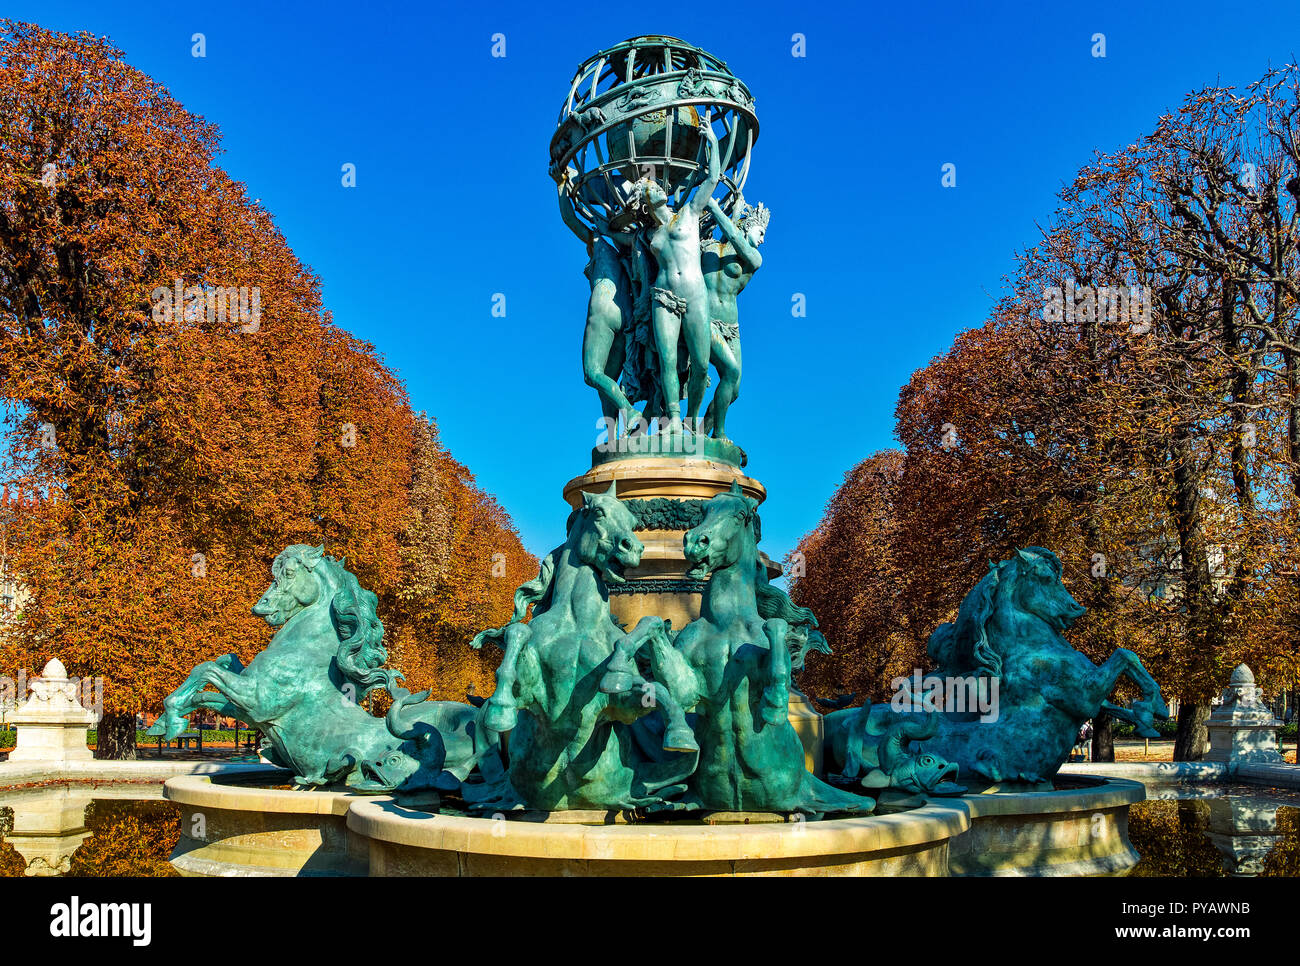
(384, 821)
(1101, 792)
(236, 791)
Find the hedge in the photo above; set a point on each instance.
(9, 736)
(1121, 729)
(1168, 729)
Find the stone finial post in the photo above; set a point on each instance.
(52, 724)
(1242, 728)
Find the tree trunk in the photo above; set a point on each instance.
(1103, 738)
(1189, 744)
(116, 737)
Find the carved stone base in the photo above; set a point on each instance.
(1242, 728)
(52, 724)
(811, 729)
(668, 495)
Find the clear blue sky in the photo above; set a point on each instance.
(453, 204)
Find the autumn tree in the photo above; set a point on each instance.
(1130, 403)
(177, 396)
(462, 560)
(1203, 212)
(138, 414)
(850, 577)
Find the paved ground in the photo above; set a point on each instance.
(1138, 750)
(212, 751)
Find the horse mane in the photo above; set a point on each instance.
(775, 602)
(962, 646)
(361, 654)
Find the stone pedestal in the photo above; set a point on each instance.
(52, 724)
(811, 728)
(1242, 728)
(668, 495)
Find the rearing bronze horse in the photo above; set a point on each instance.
(1008, 632)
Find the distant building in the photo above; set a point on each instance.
(1164, 560)
(1165, 580)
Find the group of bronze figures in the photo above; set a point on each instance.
(663, 300)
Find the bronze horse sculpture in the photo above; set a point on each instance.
(571, 745)
(1008, 635)
(732, 667)
(304, 691)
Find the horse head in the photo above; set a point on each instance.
(725, 537)
(1039, 591)
(601, 535)
(1029, 584)
(598, 535)
(303, 577)
(297, 582)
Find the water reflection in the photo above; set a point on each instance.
(87, 829)
(1216, 830)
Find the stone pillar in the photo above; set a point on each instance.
(811, 729)
(1242, 728)
(52, 724)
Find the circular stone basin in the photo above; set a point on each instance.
(1081, 830)
(404, 841)
(236, 829)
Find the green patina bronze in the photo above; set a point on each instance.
(593, 728)
(1007, 643)
(729, 265)
(667, 513)
(597, 714)
(304, 691)
(574, 746)
(732, 667)
(651, 129)
(873, 747)
(659, 585)
(658, 718)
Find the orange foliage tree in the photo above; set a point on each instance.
(179, 399)
(1150, 433)
(848, 573)
(462, 560)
